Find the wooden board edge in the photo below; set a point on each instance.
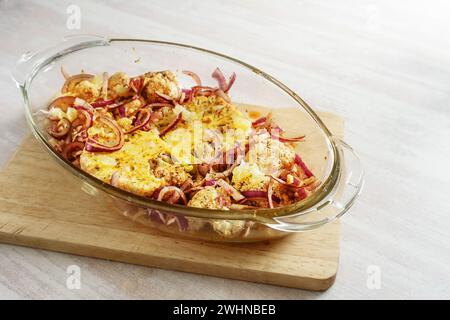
(63, 245)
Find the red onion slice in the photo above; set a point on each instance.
(194, 76)
(231, 82)
(137, 84)
(64, 73)
(223, 85)
(158, 105)
(168, 189)
(93, 145)
(59, 129)
(63, 103)
(218, 75)
(115, 179)
(71, 149)
(164, 96)
(102, 103)
(298, 160)
(223, 95)
(142, 119)
(209, 183)
(122, 111)
(171, 125)
(270, 195)
(80, 103)
(259, 122)
(182, 222)
(157, 216)
(301, 194)
(258, 194)
(74, 80)
(254, 194)
(295, 185)
(88, 118)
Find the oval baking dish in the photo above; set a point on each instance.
(334, 162)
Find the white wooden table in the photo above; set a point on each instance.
(383, 65)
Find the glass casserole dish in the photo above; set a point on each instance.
(333, 162)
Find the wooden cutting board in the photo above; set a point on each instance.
(41, 208)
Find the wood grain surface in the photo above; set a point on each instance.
(384, 66)
(59, 216)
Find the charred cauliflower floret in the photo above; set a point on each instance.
(118, 85)
(269, 154)
(163, 82)
(173, 174)
(210, 198)
(130, 165)
(87, 90)
(249, 177)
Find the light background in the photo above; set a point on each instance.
(382, 65)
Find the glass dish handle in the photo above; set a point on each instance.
(348, 188)
(29, 61)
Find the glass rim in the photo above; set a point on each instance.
(264, 215)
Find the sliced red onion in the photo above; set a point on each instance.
(137, 84)
(102, 103)
(202, 91)
(258, 194)
(122, 111)
(171, 125)
(182, 97)
(63, 103)
(240, 155)
(223, 85)
(64, 73)
(88, 118)
(174, 198)
(187, 184)
(182, 222)
(209, 183)
(70, 150)
(231, 82)
(223, 95)
(301, 194)
(80, 103)
(254, 194)
(232, 191)
(294, 185)
(159, 105)
(115, 179)
(94, 146)
(167, 189)
(270, 195)
(298, 160)
(164, 96)
(259, 122)
(218, 75)
(194, 76)
(157, 216)
(59, 129)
